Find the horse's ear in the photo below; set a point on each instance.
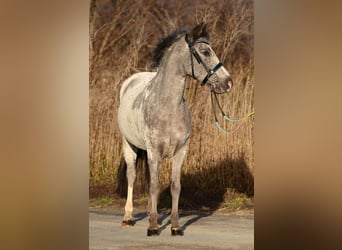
(205, 31)
(200, 31)
(188, 39)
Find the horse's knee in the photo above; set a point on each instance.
(175, 187)
(154, 188)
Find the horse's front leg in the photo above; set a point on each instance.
(177, 163)
(153, 163)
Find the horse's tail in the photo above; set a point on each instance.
(142, 182)
(121, 179)
(143, 171)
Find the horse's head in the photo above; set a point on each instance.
(204, 64)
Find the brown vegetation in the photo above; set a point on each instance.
(123, 34)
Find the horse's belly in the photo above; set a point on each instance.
(129, 124)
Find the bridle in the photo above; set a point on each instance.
(194, 53)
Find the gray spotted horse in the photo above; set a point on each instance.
(153, 116)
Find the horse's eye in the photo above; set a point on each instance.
(206, 53)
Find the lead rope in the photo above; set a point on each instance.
(218, 125)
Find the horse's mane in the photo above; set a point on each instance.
(165, 43)
(158, 53)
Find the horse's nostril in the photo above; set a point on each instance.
(229, 83)
(230, 80)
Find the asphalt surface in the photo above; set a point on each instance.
(201, 231)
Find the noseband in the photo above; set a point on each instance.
(194, 53)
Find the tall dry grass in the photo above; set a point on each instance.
(122, 37)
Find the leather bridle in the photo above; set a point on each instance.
(194, 53)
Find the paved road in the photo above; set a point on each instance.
(201, 231)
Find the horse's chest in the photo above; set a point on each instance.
(172, 138)
(167, 130)
(170, 145)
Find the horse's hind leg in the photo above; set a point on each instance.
(130, 158)
(177, 162)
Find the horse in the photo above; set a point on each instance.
(153, 116)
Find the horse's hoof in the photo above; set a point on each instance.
(128, 223)
(152, 232)
(177, 232)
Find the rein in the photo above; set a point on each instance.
(218, 125)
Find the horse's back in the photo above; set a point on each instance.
(136, 83)
(129, 116)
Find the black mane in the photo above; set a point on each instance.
(163, 45)
(200, 31)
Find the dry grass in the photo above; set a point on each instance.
(122, 37)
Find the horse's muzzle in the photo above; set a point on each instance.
(225, 86)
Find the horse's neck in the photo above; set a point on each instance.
(171, 84)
